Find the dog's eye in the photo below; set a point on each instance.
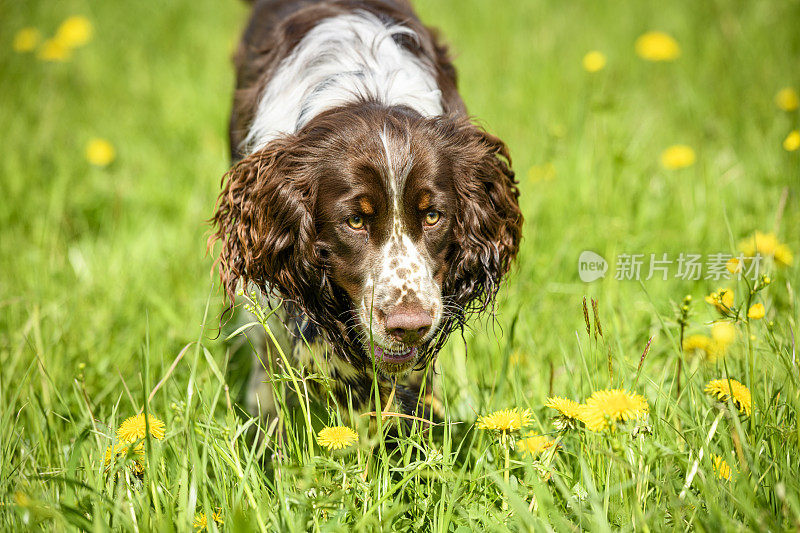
(356, 222)
(432, 217)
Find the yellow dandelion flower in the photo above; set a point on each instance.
(787, 99)
(734, 265)
(723, 333)
(698, 343)
(768, 245)
(792, 141)
(100, 152)
(594, 61)
(721, 467)
(722, 390)
(113, 451)
(134, 428)
(119, 450)
(723, 300)
(75, 31)
(783, 255)
(710, 348)
(200, 521)
(505, 420)
(702, 345)
(337, 437)
(756, 311)
(566, 408)
(26, 39)
(657, 46)
(534, 444)
(605, 408)
(53, 50)
(593, 418)
(677, 156)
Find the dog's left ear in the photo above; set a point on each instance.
(488, 222)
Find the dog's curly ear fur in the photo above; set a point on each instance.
(264, 222)
(488, 218)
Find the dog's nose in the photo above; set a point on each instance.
(408, 325)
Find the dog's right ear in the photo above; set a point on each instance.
(264, 222)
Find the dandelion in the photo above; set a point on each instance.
(722, 390)
(756, 311)
(723, 300)
(787, 99)
(734, 265)
(26, 39)
(75, 31)
(657, 46)
(505, 420)
(594, 61)
(337, 437)
(569, 411)
(678, 156)
(119, 450)
(767, 244)
(723, 333)
(200, 521)
(792, 141)
(566, 408)
(697, 343)
(53, 50)
(100, 152)
(134, 428)
(702, 345)
(535, 444)
(605, 408)
(721, 467)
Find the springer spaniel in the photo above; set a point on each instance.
(361, 195)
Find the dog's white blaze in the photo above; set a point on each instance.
(341, 60)
(403, 274)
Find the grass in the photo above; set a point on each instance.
(105, 283)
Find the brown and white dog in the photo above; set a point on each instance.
(361, 194)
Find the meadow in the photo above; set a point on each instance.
(644, 148)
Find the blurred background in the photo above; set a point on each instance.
(113, 138)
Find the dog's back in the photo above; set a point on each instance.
(275, 29)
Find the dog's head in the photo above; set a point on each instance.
(384, 227)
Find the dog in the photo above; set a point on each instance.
(362, 200)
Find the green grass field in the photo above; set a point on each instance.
(105, 283)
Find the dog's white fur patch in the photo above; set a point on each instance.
(341, 60)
